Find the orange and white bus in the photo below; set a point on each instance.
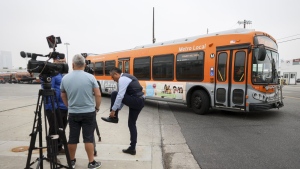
(233, 70)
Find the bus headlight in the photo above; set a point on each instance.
(264, 98)
(259, 96)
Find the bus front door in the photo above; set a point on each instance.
(230, 84)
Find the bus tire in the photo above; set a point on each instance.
(200, 102)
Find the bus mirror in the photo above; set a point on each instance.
(249, 49)
(261, 53)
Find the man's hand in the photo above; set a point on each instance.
(112, 114)
(96, 109)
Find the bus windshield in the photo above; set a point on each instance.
(265, 71)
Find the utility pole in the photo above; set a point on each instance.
(245, 22)
(153, 37)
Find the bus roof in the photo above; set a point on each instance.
(190, 39)
(182, 40)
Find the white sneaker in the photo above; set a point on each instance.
(94, 165)
(73, 162)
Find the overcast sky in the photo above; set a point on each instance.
(101, 26)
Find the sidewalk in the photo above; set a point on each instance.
(160, 141)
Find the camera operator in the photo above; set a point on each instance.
(55, 84)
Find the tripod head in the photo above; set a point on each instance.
(47, 81)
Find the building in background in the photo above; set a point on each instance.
(290, 70)
(5, 60)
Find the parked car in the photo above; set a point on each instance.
(298, 80)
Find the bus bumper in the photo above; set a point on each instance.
(264, 106)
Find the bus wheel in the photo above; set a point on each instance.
(200, 102)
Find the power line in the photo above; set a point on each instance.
(288, 40)
(233, 25)
(288, 36)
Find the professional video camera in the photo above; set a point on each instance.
(88, 67)
(47, 94)
(45, 67)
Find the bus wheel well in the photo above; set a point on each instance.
(192, 90)
(100, 88)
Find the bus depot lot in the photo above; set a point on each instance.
(235, 140)
(160, 141)
(168, 133)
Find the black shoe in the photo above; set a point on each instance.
(129, 151)
(110, 119)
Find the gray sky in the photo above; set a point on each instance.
(101, 26)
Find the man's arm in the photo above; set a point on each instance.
(123, 84)
(64, 97)
(97, 97)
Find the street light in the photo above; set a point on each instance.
(67, 51)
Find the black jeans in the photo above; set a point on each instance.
(135, 105)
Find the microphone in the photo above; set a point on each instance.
(30, 55)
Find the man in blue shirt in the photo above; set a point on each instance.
(130, 93)
(80, 92)
(53, 119)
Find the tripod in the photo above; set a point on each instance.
(99, 139)
(51, 140)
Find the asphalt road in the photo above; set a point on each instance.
(235, 140)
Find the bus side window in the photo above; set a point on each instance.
(190, 66)
(99, 69)
(142, 67)
(108, 66)
(163, 67)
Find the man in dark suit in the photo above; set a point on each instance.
(130, 93)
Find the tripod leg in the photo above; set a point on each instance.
(60, 130)
(99, 139)
(51, 151)
(40, 129)
(95, 151)
(98, 132)
(31, 147)
(63, 138)
(35, 129)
